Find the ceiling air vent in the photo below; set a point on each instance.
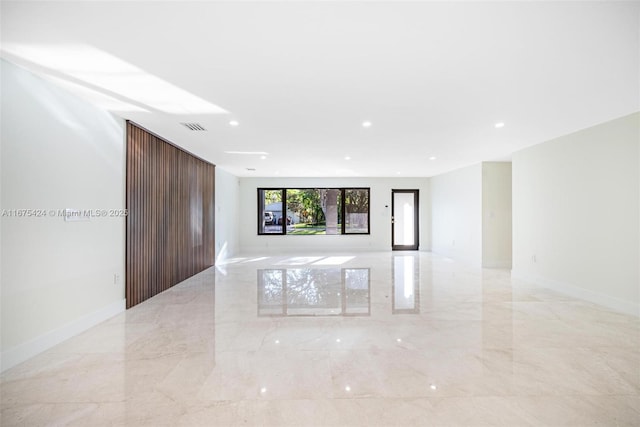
(193, 126)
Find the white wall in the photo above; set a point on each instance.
(456, 228)
(576, 210)
(380, 211)
(57, 277)
(496, 215)
(227, 214)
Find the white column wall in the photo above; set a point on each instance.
(456, 199)
(227, 214)
(496, 215)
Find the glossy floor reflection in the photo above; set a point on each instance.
(402, 338)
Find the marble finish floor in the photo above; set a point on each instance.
(403, 338)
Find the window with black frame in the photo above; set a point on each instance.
(270, 205)
(313, 211)
(356, 208)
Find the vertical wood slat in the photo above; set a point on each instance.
(170, 225)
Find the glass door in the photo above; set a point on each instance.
(404, 220)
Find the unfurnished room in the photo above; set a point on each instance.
(320, 213)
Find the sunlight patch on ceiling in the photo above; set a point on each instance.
(103, 71)
(95, 97)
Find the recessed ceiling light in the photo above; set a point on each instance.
(398, 173)
(366, 124)
(432, 158)
(234, 123)
(347, 388)
(347, 158)
(433, 387)
(499, 125)
(263, 157)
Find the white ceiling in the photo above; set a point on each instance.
(301, 77)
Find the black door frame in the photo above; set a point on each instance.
(416, 220)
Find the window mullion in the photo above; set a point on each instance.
(284, 211)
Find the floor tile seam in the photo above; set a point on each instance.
(67, 402)
(274, 352)
(407, 398)
(567, 346)
(572, 394)
(136, 356)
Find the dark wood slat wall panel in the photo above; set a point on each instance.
(171, 221)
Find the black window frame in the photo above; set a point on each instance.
(342, 198)
(261, 210)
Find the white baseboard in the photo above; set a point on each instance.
(25, 351)
(504, 265)
(604, 300)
